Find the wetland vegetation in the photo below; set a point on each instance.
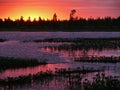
(43, 75)
(10, 62)
(101, 59)
(86, 43)
(2, 40)
(82, 59)
(73, 77)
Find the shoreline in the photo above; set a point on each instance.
(57, 30)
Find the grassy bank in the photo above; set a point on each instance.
(83, 43)
(2, 40)
(101, 59)
(9, 63)
(48, 74)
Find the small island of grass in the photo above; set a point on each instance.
(10, 62)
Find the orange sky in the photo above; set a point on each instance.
(46, 8)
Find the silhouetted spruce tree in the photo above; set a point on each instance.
(54, 17)
(72, 13)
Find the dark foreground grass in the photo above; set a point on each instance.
(101, 82)
(9, 63)
(41, 76)
(73, 80)
(48, 74)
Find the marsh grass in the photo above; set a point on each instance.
(77, 70)
(101, 59)
(101, 82)
(83, 43)
(41, 76)
(63, 72)
(2, 40)
(74, 81)
(10, 62)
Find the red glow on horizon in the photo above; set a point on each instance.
(45, 8)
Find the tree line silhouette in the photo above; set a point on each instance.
(73, 24)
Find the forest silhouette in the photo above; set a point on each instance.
(73, 24)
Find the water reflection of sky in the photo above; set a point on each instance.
(61, 58)
(110, 69)
(42, 35)
(80, 53)
(35, 50)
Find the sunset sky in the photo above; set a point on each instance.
(46, 8)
